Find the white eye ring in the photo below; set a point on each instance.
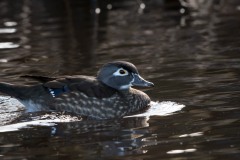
(121, 72)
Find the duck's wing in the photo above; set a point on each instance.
(42, 79)
(90, 86)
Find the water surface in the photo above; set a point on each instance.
(189, 51)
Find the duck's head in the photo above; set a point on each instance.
(121, 75)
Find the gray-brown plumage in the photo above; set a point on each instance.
(109, 95)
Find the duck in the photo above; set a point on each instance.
(109, 95)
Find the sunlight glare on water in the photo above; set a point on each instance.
(46, 120)
(7, 30)
(6, 45)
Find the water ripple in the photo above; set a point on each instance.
(8, 45)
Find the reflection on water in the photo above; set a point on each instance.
(189, 49)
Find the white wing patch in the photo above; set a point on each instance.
(51, 92)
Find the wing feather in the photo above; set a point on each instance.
(85, 84)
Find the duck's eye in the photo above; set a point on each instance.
(121, 71)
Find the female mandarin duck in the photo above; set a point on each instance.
(109, 95)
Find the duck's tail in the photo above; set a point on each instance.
(18, 92)
(30, 96)
(8, 89)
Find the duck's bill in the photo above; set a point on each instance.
(139, 81)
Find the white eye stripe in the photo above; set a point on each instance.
(117, 73)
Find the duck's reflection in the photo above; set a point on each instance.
(109, 137)
(118, 137)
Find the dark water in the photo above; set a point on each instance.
(191, 52)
